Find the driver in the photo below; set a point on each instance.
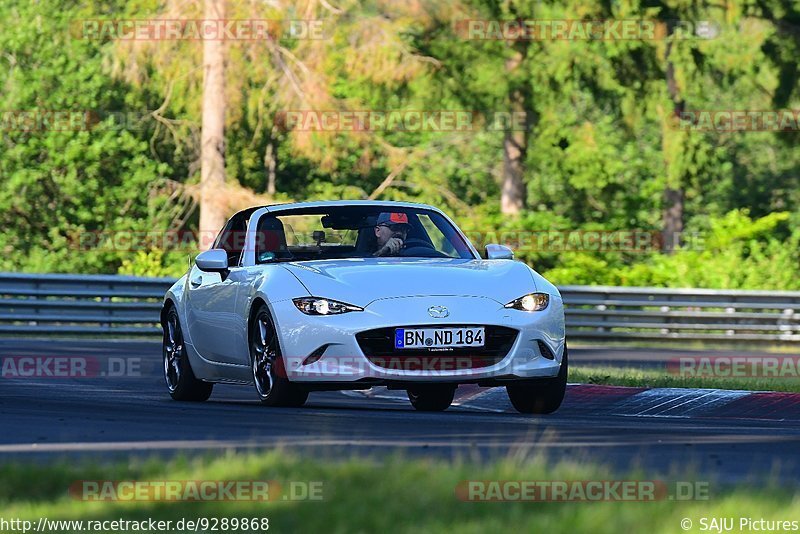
(391, 231)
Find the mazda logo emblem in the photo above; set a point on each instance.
(438, 312)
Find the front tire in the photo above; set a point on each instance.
(181, 382)
(269, 376)
(543, 395)
(431, 398)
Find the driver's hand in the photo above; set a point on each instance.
(391, 247)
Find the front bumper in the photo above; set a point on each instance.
(325, 349)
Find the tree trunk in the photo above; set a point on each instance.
(212, 157)
(672, 219)
(513, 191)
(270, 163)
(672, 211)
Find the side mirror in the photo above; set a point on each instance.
(214, 260)
(499, 252)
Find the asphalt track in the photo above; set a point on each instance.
(716, 436)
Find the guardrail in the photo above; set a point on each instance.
(624, 313)
(125, 306)
(106, 305)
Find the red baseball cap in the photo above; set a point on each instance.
(392, 218)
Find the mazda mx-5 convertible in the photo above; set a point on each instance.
(316, 296)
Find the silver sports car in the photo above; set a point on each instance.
(341, 295)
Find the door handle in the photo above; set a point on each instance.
(196, 281)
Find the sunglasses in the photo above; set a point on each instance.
(401, 228)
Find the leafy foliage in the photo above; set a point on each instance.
(602, 145)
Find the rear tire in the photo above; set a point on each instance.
(543, 395)
(266, 362)
(431, 398)
(181, 382)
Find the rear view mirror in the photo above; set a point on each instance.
(214, 260)
(498, 252)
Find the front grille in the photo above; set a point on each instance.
(378, 346)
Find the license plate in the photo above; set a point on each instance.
(437, 338)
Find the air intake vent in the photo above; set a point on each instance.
(316, 355)
(544, 350)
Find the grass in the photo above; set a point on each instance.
(661, 378)
(396, 494)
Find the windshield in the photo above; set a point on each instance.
(357, 232)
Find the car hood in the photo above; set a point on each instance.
(362, 281)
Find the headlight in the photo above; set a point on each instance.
(532, 302)
(319, 306)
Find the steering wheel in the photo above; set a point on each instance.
(421, 248)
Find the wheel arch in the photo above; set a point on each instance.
(258, 301)
(169, 302)
(172, 297)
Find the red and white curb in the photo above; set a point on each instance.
(583, 399)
